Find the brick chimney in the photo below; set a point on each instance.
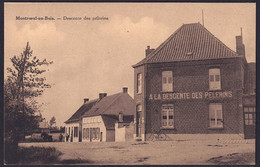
(102, 95)
(86, 100)
(148, 51)
(125, 89)
(121, 117)
(240, 47)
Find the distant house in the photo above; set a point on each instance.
(43, 127)
(96, 120)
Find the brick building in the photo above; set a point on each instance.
(192, 86)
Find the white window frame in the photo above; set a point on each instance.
(249, 112)
(167, 108)
(167, 81)
(214, 74)
(139, 83)
(214, 108)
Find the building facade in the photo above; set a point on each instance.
(192, 85)
(103, 119)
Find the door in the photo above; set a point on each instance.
(249, 122)
(138, 124)
(138, 120)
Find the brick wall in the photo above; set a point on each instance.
(140, 97)
(192, 115)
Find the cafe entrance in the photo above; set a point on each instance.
(249, 122)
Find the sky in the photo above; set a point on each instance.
(96, 56)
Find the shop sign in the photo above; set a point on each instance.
(191, 95)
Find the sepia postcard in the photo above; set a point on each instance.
(129, 83)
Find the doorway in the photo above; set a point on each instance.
(138, 120)
(249, 122)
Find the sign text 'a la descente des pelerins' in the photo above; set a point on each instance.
(190, 95)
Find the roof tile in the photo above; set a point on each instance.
(192, 38)
(109, 105)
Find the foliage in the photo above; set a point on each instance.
(52, 121)
(62, 129)
(24, 82)
(27, 74)
(45, 156)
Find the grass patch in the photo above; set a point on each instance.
(38, 155)
(43, 156)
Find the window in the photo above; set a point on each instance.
(215, 115)
(86, 133)
(94, 133)
(167, 118)
(97, 133)
(76, 131)
(167, 81)
(138, 118)
(139, 83)
(214, 79)
(249, 113)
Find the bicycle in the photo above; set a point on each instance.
(156, 134)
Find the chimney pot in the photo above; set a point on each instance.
(148, 51)
(125, 89)
(86, 100)
(240, 47)
(102, 95)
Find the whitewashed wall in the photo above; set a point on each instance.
(94, 122)
(119, 133)
(71, 126)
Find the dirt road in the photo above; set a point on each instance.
(156, 153)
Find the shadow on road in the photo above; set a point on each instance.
(234, 159)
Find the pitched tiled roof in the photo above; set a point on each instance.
(112, 105)
(110, 120)
(189, 42)
(81, 111)
(109, 105)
